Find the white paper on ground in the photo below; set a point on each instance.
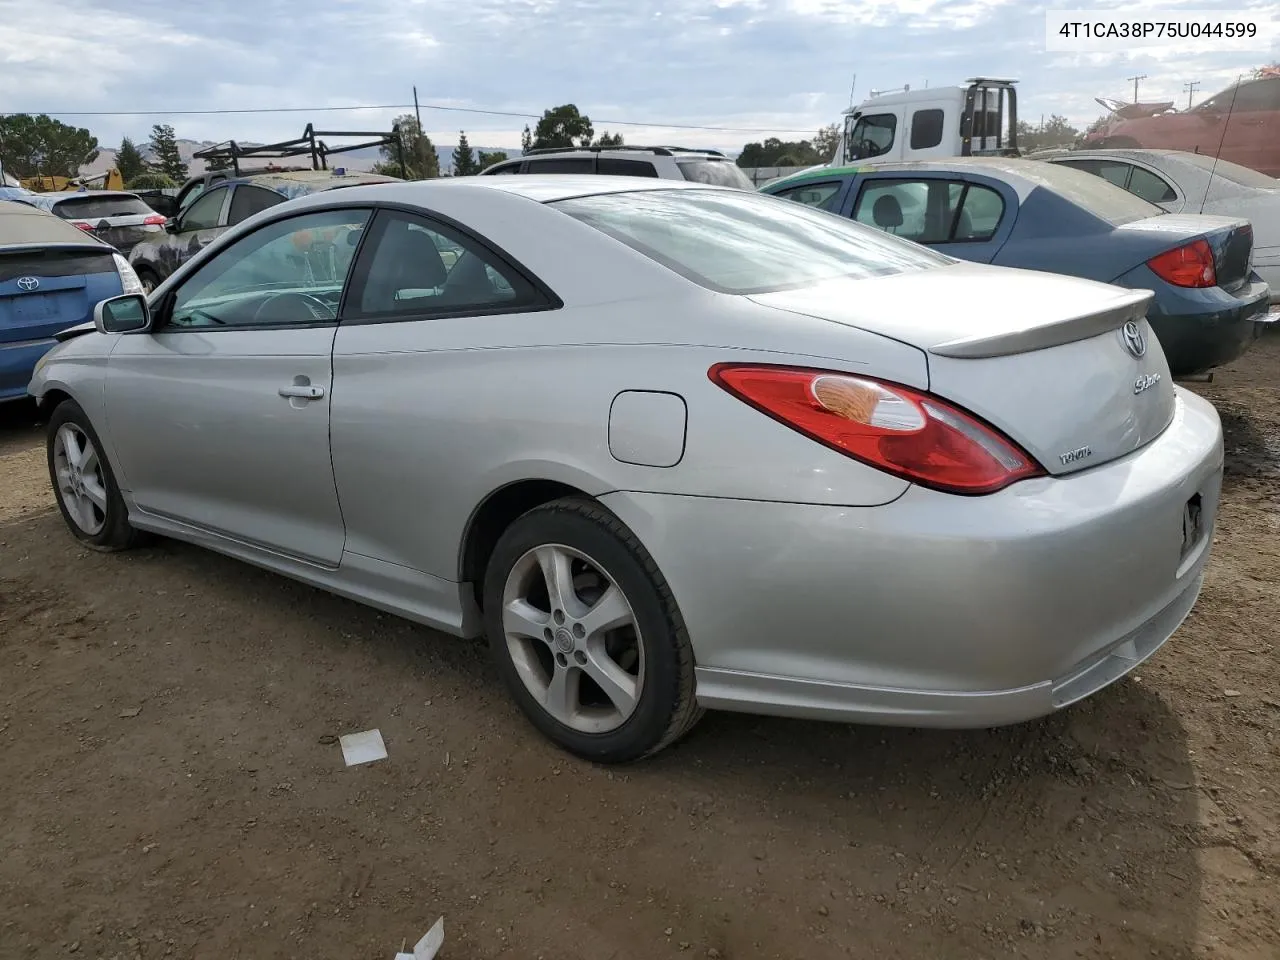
(363, 747)
(432, 940)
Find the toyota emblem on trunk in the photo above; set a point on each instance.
(1135, 341)
(28, 283)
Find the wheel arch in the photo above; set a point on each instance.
(497, 511)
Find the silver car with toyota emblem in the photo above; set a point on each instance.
(669, 446)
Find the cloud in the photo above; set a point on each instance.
(758, 66)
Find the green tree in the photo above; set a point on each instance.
(41, 146)
(487, 158)
(826, 141)
(779, 153)
(607, 139)
(165, 157)
(464, 158)
(1054, 132)
(526, 140)
(150, 181)
(421, 162)
(563, 126)
(129, 161)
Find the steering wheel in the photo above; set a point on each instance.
(318, 309)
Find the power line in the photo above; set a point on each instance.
(385, 106)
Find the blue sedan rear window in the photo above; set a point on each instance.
(737, 242)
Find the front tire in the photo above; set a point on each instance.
(586, 634)
(83, 484)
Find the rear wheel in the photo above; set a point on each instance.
(83, 483)
(148, 277)
(587, 635)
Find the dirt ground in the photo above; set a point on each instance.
(169, 785)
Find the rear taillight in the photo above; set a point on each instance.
(81, 225)
(155, 220)
(1187, 266)
(902, 431)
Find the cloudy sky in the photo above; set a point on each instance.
(749, 67)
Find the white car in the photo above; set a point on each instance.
(664, 163)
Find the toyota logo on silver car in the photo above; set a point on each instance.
(28, 283)
(1135, 340)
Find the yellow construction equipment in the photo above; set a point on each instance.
(107, 180)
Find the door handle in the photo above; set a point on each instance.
(301, 391)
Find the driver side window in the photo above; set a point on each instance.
(204, 212)
(289, 272)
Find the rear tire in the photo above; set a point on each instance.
(149, 279)
(83, 484)
(586, 634)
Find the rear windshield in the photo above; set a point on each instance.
(738, 242)
(36, 226)
(1231, 171)
(97, 207)
(718, 173)
(1100, 197)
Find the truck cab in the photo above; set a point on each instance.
(978, 119)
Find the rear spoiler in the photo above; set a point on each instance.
(1131, 305)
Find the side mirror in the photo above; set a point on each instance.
(172, 225)
(124, 314)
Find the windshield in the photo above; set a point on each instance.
(744, 243)
(717, 173)
(1227, 170)
(95, 207)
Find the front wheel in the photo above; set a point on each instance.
(586, 634)
(83, 483)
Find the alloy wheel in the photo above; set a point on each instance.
(573, 638)
(82, 485)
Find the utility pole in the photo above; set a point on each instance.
(1190, 86)
(1141, 76)
(852, 87)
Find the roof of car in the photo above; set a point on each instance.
(1004, 166)
(69, 194)
(537, 187)
(294, 183)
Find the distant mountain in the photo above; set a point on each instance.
(355, 160)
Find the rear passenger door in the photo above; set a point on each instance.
(965, 217)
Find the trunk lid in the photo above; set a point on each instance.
(45, 289)
(1044, 358)
(1231, 239)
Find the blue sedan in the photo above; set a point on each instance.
(51, 277)
(1209, 303)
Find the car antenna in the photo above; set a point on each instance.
(1222, 140)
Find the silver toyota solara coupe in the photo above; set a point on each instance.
(669, 446)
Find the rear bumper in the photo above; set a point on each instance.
(937, 610)
(17, 362)
(1200, 330)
